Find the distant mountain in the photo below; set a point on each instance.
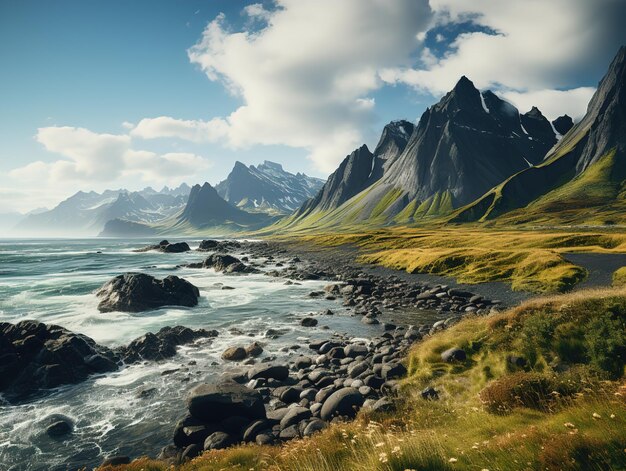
(87, 213)
(462, 147)
(206, 208)
(205, 212)
(582, 180)
(182, 190)
(267, 188)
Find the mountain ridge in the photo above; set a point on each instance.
(597, 140)
(88, 212)
(461, 147)
(267, 187)
(205, 211)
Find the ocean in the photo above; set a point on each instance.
(54, 281)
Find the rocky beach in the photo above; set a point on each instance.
(262, 394)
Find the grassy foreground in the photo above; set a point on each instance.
(527, 260)
(542, 389)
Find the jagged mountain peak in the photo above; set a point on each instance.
(563, 124)
(271, 165)
(464, 96)
(398, 131)
(604, 124)
(534, 113)
(267, 187)
(537, 125)
(467, 143)
(182, 190)
(464, 85)
(587, 166)
(206, 208)
(205, 187)
(351, 177)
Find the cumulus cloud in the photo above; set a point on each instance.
(93, 157)
(191, 130)
(90, 155)
(533, 48)
(553, 103)
(257, 11)
(305, 77)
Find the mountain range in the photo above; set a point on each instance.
(471, 157)
(267, 188)
(86, 213)
(461, 148)
(205, 212)
(249, 198)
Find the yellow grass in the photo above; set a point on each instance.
(619, 277)
(528, 260)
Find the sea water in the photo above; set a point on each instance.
(54, 281)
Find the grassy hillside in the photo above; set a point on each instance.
(595, 197)
(560, 405)
(375, 207)
(528, 260)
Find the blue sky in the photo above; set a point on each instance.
(94, 92)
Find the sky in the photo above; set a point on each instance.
(126, 94)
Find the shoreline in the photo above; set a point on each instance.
(364, 370)
(378, 297)
(348, 254)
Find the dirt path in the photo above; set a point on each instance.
(600, 266)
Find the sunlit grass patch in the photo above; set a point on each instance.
(619, 277)
(527, 260)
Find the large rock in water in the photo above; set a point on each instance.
(215, 402)
(136, 292)
(163, 344)
(167, 247)
(208, 244)
(35, 356)
(223, 263)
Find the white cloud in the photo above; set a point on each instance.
(257, 11)
(553, 103)
(191, 130)
(33, 172)
(304, 79)
(101, 158)
(91, 155)
(539, 47)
